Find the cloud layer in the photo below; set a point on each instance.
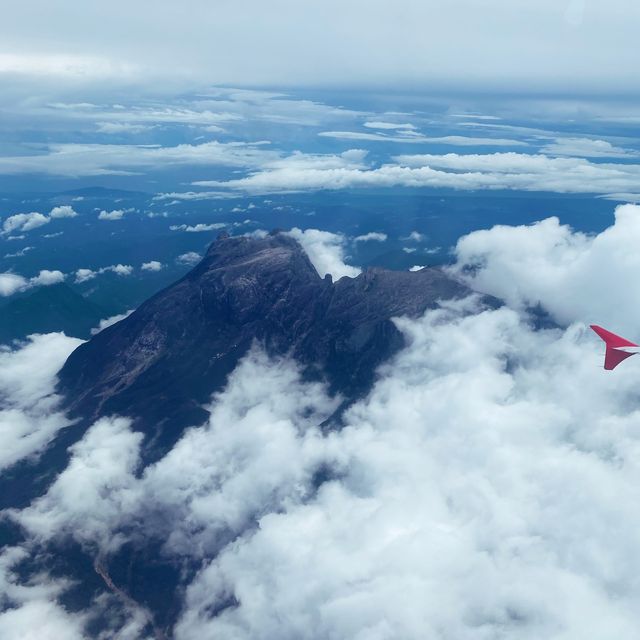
(28, 416)
(494, 171)
(493, 45)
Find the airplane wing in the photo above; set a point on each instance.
(613, 355)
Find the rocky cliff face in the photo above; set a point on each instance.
(161, 364)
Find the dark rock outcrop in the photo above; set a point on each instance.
(161, 364)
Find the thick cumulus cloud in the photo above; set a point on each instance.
(28, 221)
(326, 251)
(574, 276)
(87, 498)
(116, 214)
(152, 265)
(84, 275)
(11, 283)
(485, 488)
(190, 258)
(480, 494)
(261, 443)
(28, 416)
(372, 236)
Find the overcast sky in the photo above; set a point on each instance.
(548, 45)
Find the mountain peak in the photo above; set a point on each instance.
(161, 364)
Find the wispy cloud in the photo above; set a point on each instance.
(514, 171)
(411, 137)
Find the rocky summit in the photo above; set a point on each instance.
(161, 364)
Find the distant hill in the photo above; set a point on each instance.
(46, 309)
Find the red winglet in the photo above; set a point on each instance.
(611, 339)
(613, 357)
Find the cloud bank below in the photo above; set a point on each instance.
(486, 486)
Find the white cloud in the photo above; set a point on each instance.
(116, 128)
(24, 222)
(371, 236)
(453, 171)
(194, 195)
(281, 174)
(588, 148)
(420, 536)
(189, 258)
(119, 269)
(28, 416)
(91, 492)
(416, 236)
(33, 220)
(153, 265)
(576, 277)
(84, 275)
(473, 116)
(253, 430)
(10, 283)
(326, 251)
(411, 137)
(30, 610)
(108, 322)
(116, 214)
(214, 128)
(198, 227)
(416, 267)
(378, 124)
(69, 67)
(19, 254)
(75, 159)
(64, 211)
(632, 198)
(46, 278)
